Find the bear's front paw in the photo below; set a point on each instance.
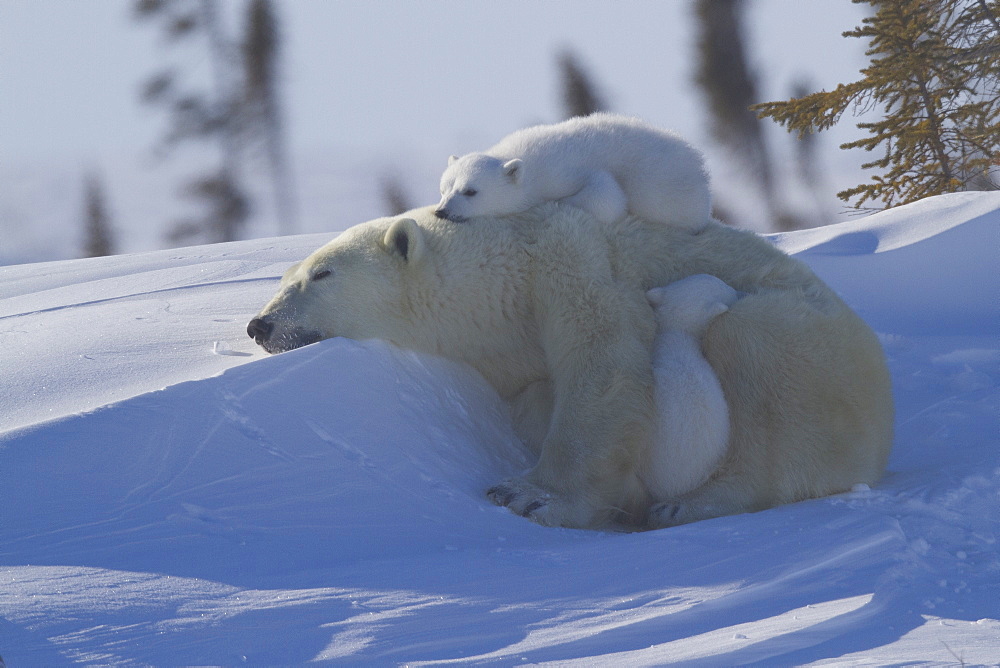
(545, 507)
(521, 497)
(540, 505)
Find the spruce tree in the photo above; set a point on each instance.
(214, 115)
(579, 96)
(934, 76)
(262, 113)
(808, 164)
(98, 237)
(394, 195)
(729, 87)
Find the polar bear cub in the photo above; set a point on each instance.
(692, 414)
(604, 163)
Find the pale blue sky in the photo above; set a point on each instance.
(383, 72)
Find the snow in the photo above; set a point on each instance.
(173, 496)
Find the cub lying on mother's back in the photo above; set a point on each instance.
(605, 164)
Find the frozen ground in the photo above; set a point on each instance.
(169, 495)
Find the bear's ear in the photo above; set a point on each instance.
(512, 170)
(405, 239)
(452, 159)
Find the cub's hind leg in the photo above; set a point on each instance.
(601, 197)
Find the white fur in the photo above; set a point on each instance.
(550, 307)
(692, 415)
(606, 164)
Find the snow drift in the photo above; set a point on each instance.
(170, 495)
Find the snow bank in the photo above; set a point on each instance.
(923, 268)
(172, 496)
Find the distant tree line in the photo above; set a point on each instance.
(729, 86)
(933, 77)
(933, 81)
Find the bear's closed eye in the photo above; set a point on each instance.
(321, 274)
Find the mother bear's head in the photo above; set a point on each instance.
(353, 287)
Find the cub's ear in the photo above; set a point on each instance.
(512, 170)
(405, 239)
(452, 159)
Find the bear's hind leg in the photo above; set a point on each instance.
(601, 197)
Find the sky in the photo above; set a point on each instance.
(371, 88)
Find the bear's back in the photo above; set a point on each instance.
(589, 138)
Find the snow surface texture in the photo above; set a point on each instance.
(170, 495)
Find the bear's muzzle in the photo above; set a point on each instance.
(262, 331)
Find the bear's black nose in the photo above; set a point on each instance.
(441, 212)
(260, 330)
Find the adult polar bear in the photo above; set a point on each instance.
(549, 305)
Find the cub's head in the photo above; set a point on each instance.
(690, 304)
(351, 287)
(480, 185)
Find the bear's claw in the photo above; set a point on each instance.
(520, 497)
(501, 494)
(664, 515)
(532, 507)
